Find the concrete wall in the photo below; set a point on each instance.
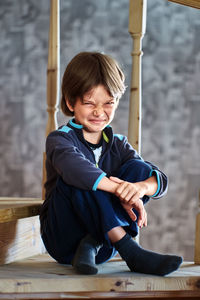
(171, 99)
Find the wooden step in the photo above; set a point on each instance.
(41, 277)
(19, 229)
(17, 208)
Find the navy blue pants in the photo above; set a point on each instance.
(73, 213)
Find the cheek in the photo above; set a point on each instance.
(83, 113)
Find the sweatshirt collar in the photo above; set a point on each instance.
(107, 132)
(73, 124)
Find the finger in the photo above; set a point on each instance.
(135, 197)
(128, 209)
(124, 195)
(131, 197)
(145, 221)
(115, 179)
(132, 215)
(120, 190)
(140, 210)
(123, 190)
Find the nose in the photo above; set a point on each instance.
(98, 111)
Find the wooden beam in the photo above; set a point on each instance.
(191, 3)
(137, 26)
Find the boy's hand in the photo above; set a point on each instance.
(129, 192)
(130, 195)
(142, 215)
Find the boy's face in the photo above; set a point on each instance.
(95, 111)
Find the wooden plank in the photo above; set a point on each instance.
(191, 3)
(169, 295)
(14, 212)
(16, 208)
(41, 274)
(19, 200)
(20, 239)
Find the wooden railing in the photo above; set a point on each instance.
(53, 75)
(53, 68)
(137, 27)
(191, 3)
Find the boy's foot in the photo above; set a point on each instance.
(84, 259)
(144, 261)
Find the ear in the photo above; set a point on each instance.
(70, 107)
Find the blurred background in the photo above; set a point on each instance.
(171, 99)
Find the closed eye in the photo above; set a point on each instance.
(110, 103)
(88, 103)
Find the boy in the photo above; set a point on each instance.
(97, 184)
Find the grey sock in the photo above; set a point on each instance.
(84, 259)
(144, 261)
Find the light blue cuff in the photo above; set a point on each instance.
(94, 188)
(158, 181)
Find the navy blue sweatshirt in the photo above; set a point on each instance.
(68, 155)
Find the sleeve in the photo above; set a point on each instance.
(127, 152)
(70, 163)
(162, 181)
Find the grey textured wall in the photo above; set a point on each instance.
(171, 99)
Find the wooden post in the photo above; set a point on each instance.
(197, 237)
(137, 26)
(53, 69)
(53, 74)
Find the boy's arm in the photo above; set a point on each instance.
(119, 187)
(130, 192)
(113, 185)
(108, 185)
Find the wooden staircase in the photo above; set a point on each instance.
(27, 272)
(19, 229)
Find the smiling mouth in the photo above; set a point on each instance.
(97, 121)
